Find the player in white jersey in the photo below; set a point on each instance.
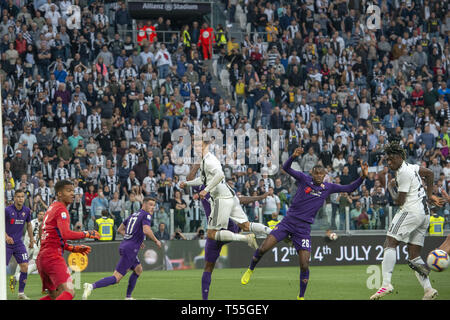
(410, 223)
(224, 202)
(33, 252)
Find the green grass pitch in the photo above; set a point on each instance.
(282, 283)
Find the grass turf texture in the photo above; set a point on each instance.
(325, 283)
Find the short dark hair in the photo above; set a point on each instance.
(146, 199)
(394, 148)
(19, 191)
(59, 186)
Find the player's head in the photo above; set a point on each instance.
(65, 191)
(40, 216)
(395, 155)
(148, 205)
(205, 146)
(19, 198)
(318, 173)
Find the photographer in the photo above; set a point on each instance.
(178, 235)
(200, 235)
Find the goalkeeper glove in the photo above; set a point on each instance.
(79, 249)
(92, 234)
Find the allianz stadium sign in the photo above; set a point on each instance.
(141, 10)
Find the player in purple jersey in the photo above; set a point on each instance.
(16, 216)
(213, 247)
(134, 229)
(310, 196)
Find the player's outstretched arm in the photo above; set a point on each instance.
(349, 188)
(428, 176)
(149, 233)
(83, 249)
(217, 178)
(246, 200)
(287, 165)
(67, 234)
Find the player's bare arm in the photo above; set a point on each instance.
(297, 152)
(246, 200)
(9, 240)
(364, 169)
(30, 234)
(428, 176)
(121, 229)
(149, 233)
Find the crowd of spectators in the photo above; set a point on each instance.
(86, 102)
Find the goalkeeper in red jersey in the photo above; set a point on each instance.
(56, 231)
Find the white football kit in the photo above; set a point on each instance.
(33, 252)
(224, 202)
(411, 222)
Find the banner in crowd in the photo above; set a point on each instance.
(143, 10)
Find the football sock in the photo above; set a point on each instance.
(424, 281)
(31, 268)
(206, 281)
(22, 281)
(259, 228)
(47, 297)
(104, 282)
(66, 295)
(226, 235)
(132, 283)
(255, 259)
(304, 278)
(388, 264)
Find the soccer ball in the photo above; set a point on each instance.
(333, 236)
(438, 260)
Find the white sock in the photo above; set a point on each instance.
(388, 264)
(226, 235)
(17, 274)
(259, 228)
(31, 267)
(424, 281)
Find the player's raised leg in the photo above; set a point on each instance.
(268, 244)
(102, 283)
(418, 265)
(446, 245)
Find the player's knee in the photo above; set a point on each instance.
(244, 226)
(118, 277)
(304, 267)
(138, 270)
(211, 234)
(23, 267)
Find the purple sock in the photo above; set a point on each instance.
(131, 284)
(255, 259)
(104, 282)
(22, 281)
(206, 281)
(304, 277)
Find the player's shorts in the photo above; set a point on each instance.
(299, 231)
(128, 260)
(19, 251)
(53, 271)
(224, 209)
(409, 227)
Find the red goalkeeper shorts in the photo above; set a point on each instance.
(53, 271)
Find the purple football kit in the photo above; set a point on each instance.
(134, 236)
(15, 221)
(213, 247)
(307, 201)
